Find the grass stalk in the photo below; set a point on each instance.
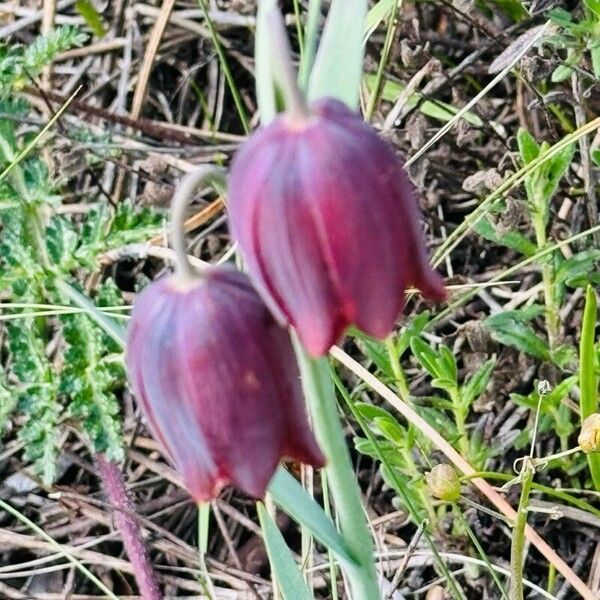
(551, 307)
(237, 98)
(400, 486)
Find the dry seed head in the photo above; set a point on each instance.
(443, 483)
(589, 437)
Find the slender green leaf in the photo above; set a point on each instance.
(588, 382)
(528, 147)
(285, 569)
(425, 355)
(561, 73)
(514, 240)
(298, 504)
(475, 385)
(91, 16)
(338, 66)
(582, 263)
(442, 111)
(376, 14)
(520, 336)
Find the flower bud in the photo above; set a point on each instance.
(328, 225)
(218, 382)
(443, 483)
(589, 437)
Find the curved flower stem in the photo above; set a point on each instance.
(318, 387)
(205, 175)
(283, 68)
(127, 525)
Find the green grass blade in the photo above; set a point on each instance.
(289, 495)
(92, 18)
(237, 98)
(284, 567)
(338, 66)
(588, 383)
(377, 14)
(106, 323)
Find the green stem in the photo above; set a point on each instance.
(518, 541)
(299, 31)
(318, 387)
(202, 176)
(460, 419)
(398, 483)
(550, 305)
(551, 578)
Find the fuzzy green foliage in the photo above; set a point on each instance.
(59, 365)
(89, 379)
(36, 393)
(20, 63)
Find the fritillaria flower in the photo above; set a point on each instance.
(217, 380)
(328, 224)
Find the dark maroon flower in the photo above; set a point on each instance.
(328, 224)
(218, 382)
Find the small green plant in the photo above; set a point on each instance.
(77, 379)
(580, 37)
(459, 397)
(19, 64)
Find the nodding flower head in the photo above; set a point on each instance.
(218, 382)
(328, 224)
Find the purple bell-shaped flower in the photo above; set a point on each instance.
(328, 224)
(218, 382)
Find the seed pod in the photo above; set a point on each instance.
(443, 483)
(218, 382)
(328, 224)
(589, 437)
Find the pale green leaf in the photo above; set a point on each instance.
(285, 569)
(298, 504)
(338, 66)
